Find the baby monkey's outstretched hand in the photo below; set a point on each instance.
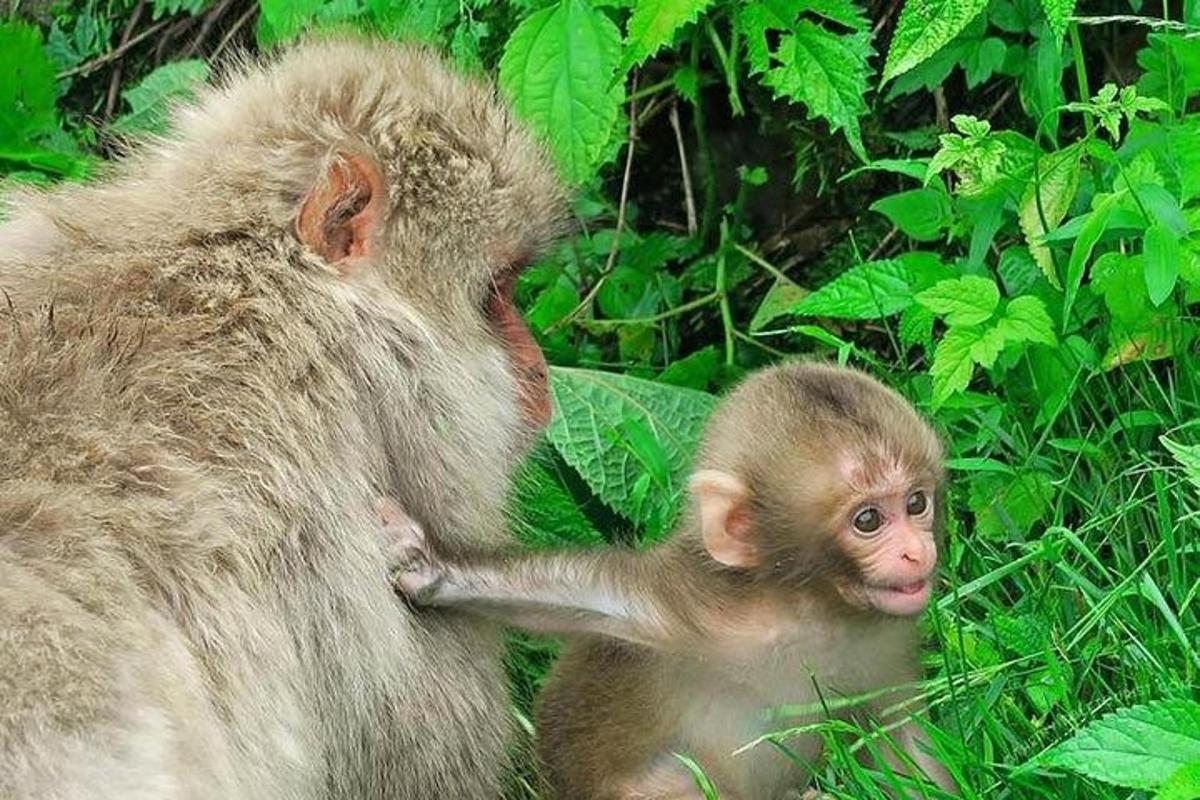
(415, 571)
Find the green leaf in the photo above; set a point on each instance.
(541, 510)
(781, 298)
(1059, 173)
(1093, 228)
(968, 300)
(285, 19)
(1140, 747)
(1184, 784)
(925, 26)
(953, 365)
(151, 99)
(558, 68)
(1025, 320)
(824, 70)
(1009, 507)
(1058, 14)
(919, 213)
(873, 290)
(653, 23)
(1161, 254)
(694, 371)
(1188, 456)
(27, 86)
(916, 327)
(631, 440)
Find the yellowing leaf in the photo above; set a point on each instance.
(1059, 180)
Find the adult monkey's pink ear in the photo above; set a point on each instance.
(726, 522)
(341, 214)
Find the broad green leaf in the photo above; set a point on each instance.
(1049, 200)
(1024, 320)
(541, 510)
(826, 71)
(1161, 255)
(283, 20)
(1008, 507)
(873, 290)
(1093, 228)
(152, 98)
(1183, 144)
(1140, 747)
(419, 20)
(631, 440)
(695, 370)
(925, 26)
(558, 68)
(1188, 456)
(968, 300)
(919, 213)
(953, 365)
(1058, 14)
(1184, 784)
(27, 86)
(653, 23)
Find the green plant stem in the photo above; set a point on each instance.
(728, 59)
(755, 258)
(1081, 80)
(690, 305)
(653, 88)
(723, 292)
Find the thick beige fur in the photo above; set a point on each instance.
(197, 415)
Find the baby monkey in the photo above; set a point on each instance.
(795, 578)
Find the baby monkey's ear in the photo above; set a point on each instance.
(340, 216)
(726, 522)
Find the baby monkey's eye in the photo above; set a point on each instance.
(917, 503)
(868, 520)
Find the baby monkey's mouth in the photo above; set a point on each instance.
(901, 599)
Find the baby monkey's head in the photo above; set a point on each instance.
(820, 479)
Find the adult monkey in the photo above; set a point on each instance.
(212, 363)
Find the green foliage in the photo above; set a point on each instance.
(1015, 251)
(1141, 747)
(150, 100)
(559, 70)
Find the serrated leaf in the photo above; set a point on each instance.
(596, 413)
(1140, 747)
(1059, 174)
(653, 23)
(825, 71)
(968, 300)
(695, 370)
(953, 365)
(557, 69)
(1058, 14)
(1188, 457)
(151, 99)
(916, 327)
(926, 26)
(1026, 320)
(1161, 256)
(919, 213)
(873, 290)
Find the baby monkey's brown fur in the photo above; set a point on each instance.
(806, 553)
